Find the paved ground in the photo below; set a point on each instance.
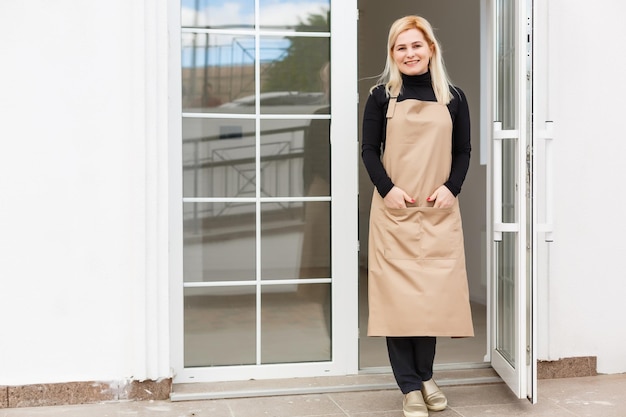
(600, 396)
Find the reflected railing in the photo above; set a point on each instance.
(219, 167)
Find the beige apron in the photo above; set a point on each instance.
(417, 277)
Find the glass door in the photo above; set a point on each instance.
(269, 245)
(511, 250)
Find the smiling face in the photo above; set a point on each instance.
(411, 52)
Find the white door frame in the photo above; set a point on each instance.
(344, 221)
(518, 371)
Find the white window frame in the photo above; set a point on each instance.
(344, 209)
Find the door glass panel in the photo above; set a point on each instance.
(295, 238)
(506, 103)
(309, 16)
(217, 14)
(281, 237)
(296, 80)
(505, 287)
(220, 326)
(509, 180)
(250, 170)
(295, 323)
(316, 244)
(506, 110)
(295, 158)
(219, 158)
(218, 73)
(316, 158)
(219, 242)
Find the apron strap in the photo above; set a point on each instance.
(391, 108)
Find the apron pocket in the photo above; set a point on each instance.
(441, 233)
(401, 236)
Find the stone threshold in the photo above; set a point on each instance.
(375, 379)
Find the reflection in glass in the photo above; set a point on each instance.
(297, 81)
(219, 162)
(295, 323)
(295, 158)
(509, 180)
(505, 65)
(316, 248)
(219, 242)
(505, 287)
(219, 158)
(217, 14)
(311, 16)
(220, 326)
(217, 73)
(281, 237)
(316, 164)
(295, 242)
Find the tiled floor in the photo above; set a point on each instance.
(600, 396)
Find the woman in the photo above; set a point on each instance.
(418, 288)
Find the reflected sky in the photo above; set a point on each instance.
(233, 50)
(240, 13)
(230, 50)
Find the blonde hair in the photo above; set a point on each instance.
(391, 76)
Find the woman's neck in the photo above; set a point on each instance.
(421, 79)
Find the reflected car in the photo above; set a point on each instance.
(277, 102)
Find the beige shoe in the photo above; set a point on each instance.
(414, 405)
(433, 397)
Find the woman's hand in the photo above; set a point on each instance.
(397, 198)
(442, 197)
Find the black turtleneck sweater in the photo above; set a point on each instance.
(414, 87)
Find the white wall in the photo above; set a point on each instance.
(78, 207)
(587, 284)
(83, 242)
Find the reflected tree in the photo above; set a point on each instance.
(300, 67)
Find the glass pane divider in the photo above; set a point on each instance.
(254, 199)
(252, 116)
(258, 321)
(293, 199)
(191, 115)
(242, 31)
(294, 33)
(263, 283)
(257, 157)
(294, 116)
(219, 199)
(205, 284)
(296, 281)
(251, 32)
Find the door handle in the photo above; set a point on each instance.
(547, 226)
(498, 136)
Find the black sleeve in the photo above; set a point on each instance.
(374, 122)
(461, 146)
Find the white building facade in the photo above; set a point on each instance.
(151, 235)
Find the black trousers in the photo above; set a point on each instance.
(411, 360)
